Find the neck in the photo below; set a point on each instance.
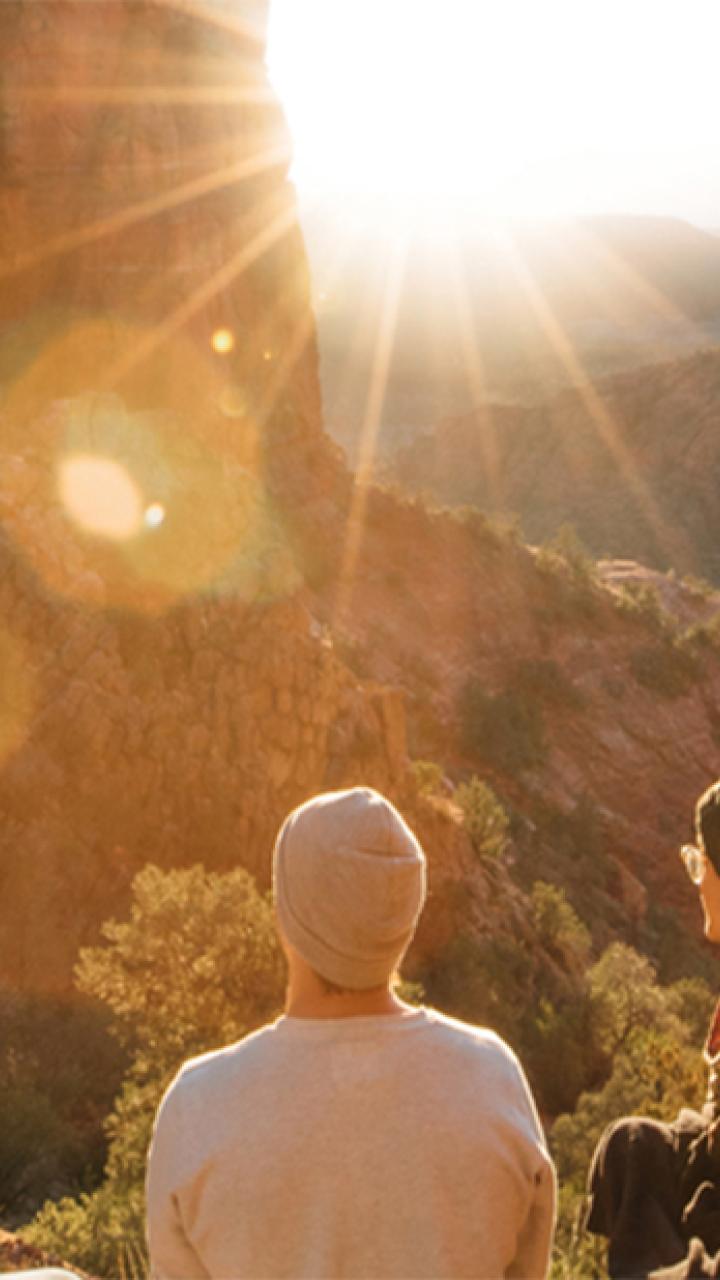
(307, 999)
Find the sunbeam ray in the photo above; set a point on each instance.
(302, 334)
(250, 253)
(603, 420)
(629, 275)
(371, 424)
(146, 95)
(68, 241)
(475, 373)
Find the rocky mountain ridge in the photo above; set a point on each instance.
(631, 461)
(505, 312)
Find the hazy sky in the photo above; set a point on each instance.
(511, 106)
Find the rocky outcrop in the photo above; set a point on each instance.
(165, 485)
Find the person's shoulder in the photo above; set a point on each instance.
(465, 1039)
(464, 1033)
(208, 1071)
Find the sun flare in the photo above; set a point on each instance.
(472, 108)
(101, 496)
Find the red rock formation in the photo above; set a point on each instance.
(164, 478)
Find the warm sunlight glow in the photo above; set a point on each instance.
(433, 108)
(101, 496)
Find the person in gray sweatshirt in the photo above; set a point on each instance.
(356, 1136)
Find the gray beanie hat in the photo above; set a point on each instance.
(349, 885)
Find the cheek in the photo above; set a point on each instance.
(710, 899)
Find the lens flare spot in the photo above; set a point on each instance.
(101, 496)
(267, 355)
(154, 515)
(222, 341)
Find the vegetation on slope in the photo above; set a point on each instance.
(197, 965)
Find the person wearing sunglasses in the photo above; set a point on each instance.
(654, 1188)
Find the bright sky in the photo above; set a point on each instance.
(503, 107)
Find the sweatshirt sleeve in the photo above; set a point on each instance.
(534, 1245)
(171, 1254)
(532, 1260)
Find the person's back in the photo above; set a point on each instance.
(388, 1143)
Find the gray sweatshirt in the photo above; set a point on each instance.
(368, 1147)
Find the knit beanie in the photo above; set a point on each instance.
(349, 885)
(707, 823)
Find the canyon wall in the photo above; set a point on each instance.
(164, 482)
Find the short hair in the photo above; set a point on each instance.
(334, 989)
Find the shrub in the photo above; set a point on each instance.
(488, 981)
(568, 545)
(698, 587)
(485, 532)
(570, 577)
(504, 728)
(702, 635)
(545, 680)
(197, 965)
(560, 1032)
(654, 1076)
(641, 601)
(428, 776)
(668, 668)
(485, 820)
(59, 1071)
(626, 999)
(654, 1070)
(560, 929)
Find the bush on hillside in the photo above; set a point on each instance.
(484, 818)
(702, 635)
(59, 1072)
(654, 1067)
(668, 668)
(569, 577)
(545, 680)
(641, 601)
(568, 546)
(558, 926)
(486, 532)
(428, 777)
(503, 728)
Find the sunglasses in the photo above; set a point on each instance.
(695, 862)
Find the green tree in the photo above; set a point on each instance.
(485, 820)
(649, 1035)
(196, 966)
(626, 999)
(560, 928)
(506, 728)
(428, 777)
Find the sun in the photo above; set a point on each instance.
(493, 108)
(383, 103)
